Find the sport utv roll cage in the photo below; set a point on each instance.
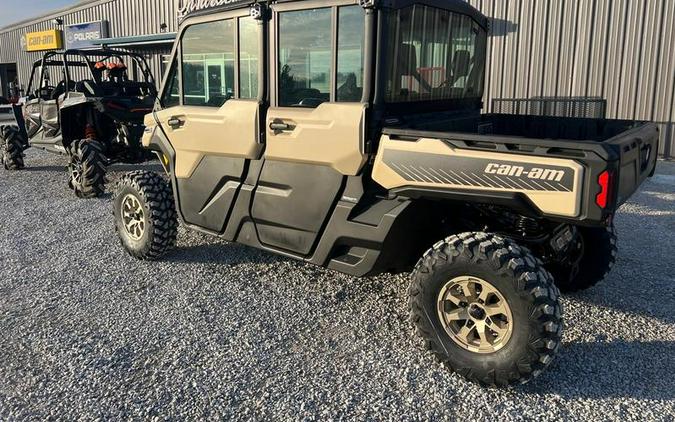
(85, 61)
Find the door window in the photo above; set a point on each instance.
(308, 74)
(304, 57)
(208, 63)
(351, 39)
(249, 57)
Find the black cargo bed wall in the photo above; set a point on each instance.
(526, 126)
(545, 127)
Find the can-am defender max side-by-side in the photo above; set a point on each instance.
(349, 135)
(94, 114)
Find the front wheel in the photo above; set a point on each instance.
(87, 169)
(12, 148)
(486, 308)
(145, 215)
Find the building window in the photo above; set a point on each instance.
(305, 57)
(249, 57)
(170, 96)
(166, 61)
(208, 63)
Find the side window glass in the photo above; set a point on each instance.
(304, 58)
(351, 34)
(208, 63)
(249, 56)
(170, 97)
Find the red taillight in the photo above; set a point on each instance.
(604, 181)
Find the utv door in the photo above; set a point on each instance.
(32, 116)
(215, 128)
(315, 125)
(50, 119)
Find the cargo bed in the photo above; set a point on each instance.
(493, 156)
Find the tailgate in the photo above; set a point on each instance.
(637, 151)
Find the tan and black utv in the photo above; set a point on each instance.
(348, 134)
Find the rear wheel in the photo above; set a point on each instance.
(145, 215)
(12, 148)
(588, 261)
(486, 308)
(87, 168)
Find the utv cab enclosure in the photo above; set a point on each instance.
(87, 104)
(349, 134)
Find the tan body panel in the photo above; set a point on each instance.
(329, 135)
(226, 131)
(566, 201)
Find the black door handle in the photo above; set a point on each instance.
(280, 126)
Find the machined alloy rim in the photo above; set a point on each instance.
(133, 217)
(76, 172)
(475, 314)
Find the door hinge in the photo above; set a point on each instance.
(259, 11)
(368, 4)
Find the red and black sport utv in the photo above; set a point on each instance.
(93, 113)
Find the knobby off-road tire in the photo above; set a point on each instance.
(12, 148)
(87, 168)
(597, 254)
(517, 279)
(145, 215)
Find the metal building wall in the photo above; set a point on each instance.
(125, 17)
(619, 50)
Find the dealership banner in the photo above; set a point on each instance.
(86, 35)
(43, 40)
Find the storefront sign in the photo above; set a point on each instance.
(44, 40)
(85, 35)
(189, 6)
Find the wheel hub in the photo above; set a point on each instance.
(477, 312)
(133, 217)
(474, 314)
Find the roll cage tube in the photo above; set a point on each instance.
(106, 54)
(85, 61)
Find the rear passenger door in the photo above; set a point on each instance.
(213, 106)
(315, 123)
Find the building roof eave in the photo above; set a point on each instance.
(152, 39)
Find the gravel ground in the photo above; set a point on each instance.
(223, 331)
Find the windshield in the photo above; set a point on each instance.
(433, 54)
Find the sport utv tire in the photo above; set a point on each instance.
(145, 215)
(87, 168)
(518, 278)
(598, 255)
(12, 148)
